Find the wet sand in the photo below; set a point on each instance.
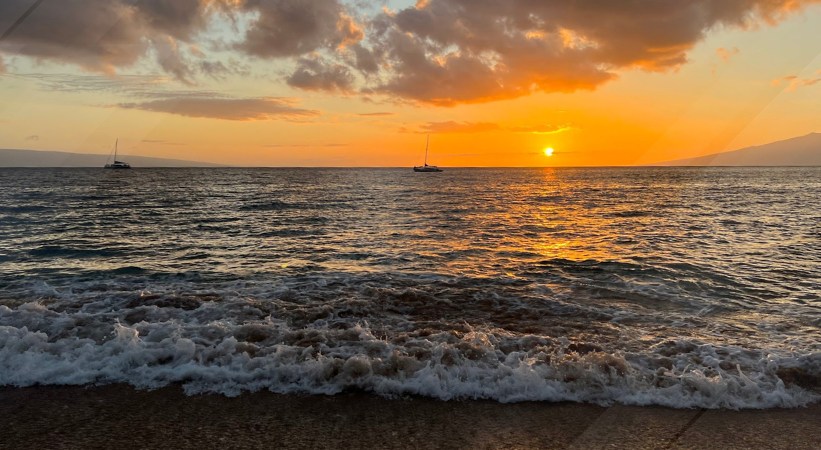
(119, 416)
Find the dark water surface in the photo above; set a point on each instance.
(680, 287)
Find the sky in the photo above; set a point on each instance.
(362, 83)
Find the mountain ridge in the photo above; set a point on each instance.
(11, 158)
(797, 151)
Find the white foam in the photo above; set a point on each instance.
(42, 346)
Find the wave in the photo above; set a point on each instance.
(25, 209)
(269, 206)
(48, 251)
(509, 285)
(191, 343)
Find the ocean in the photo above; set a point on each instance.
(682, 287)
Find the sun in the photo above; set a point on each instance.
(549, 151)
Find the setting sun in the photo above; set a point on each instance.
(549, 151)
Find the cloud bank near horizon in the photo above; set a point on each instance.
(217, 107)
(439, 52)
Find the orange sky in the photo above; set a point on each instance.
(335, 83)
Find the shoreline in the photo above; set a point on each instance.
(119, 415)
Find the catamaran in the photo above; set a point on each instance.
(117, 164)
(426, 167)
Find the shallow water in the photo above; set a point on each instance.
(680, 287)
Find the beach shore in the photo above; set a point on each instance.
(120, 416)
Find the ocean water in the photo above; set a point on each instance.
(685, 287)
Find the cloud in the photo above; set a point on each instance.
(376, 114)
(103, 35)
(725, 54)
(123, 84)
(242, 109)
(542, 129)
(297, 27)
(95, 34)
(33, 137)
(793, 82)
(161, 142)
(316, 74)
(786, 79)
(364, 60)
(171, 59)
(457, 127)
(305, 145)
(152, 93)
(218, 70)
(451, 127)
(107, 35)
(440, 52)
(179, 19)
(446, 52)
(22, 15)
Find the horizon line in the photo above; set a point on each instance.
(225, 166)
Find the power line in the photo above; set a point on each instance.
(20, 20)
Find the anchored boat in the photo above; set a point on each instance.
(426, 167)
(117, 164)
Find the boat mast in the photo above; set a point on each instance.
(427, 144)
(115, 149)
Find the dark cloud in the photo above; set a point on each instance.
(219, 70)
(441, 52)
(172, 60)
(317, 74)
(363, 59)
(96, 34)
(180, 19)
(225, 108)
(297, 27)
(103, 35)
(18, 19)
(458, 51)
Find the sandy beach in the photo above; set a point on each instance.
(120, 416)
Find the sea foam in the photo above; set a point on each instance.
(322, 359)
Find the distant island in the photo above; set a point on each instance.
(799, 151)
(36, 158)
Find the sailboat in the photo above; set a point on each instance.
(117, 164)
(426, 167)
